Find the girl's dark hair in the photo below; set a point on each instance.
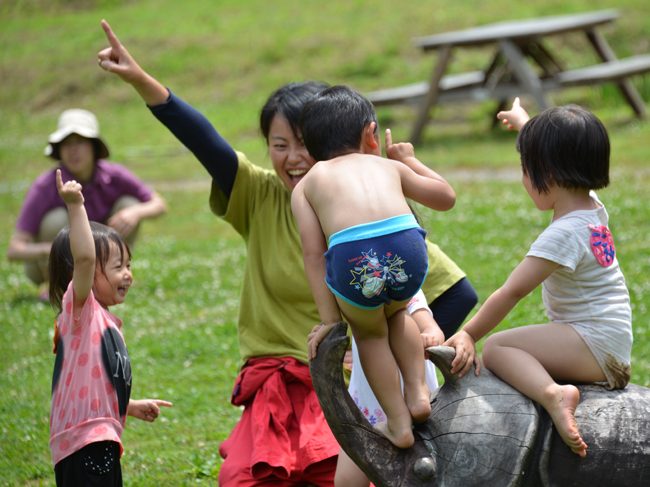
(288, 101)
(567, 146)
(61, 262)
(333, 121)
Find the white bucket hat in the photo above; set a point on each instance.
(76, 121)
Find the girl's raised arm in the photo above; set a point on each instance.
(82, 244)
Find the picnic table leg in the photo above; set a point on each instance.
(625, 84)
(432, 95)
(525, 75)
(493, 75)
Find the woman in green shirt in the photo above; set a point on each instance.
(277, 310)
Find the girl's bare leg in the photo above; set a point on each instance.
(370, 331)
(348, 474)
(406, 344)
(531, 358)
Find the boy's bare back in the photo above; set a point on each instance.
(354, 189)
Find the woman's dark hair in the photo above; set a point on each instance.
(333, 121)
(288, 101)
(567, 146)
(61, 262)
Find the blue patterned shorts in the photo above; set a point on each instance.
(372, 264)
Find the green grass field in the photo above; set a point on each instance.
(225, 58)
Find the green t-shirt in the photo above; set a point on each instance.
(443, 273)
(277, 310)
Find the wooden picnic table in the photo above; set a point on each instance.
(510, 72)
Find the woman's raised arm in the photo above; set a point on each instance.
(116, 59)
(191, 128)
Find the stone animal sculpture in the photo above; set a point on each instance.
(483, 432)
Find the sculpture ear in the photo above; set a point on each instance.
(442, 357)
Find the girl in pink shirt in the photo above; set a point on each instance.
(90, 270)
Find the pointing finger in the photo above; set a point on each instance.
(59, 181)
(389, 138)
(112, 38)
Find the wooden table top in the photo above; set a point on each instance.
(517, 29)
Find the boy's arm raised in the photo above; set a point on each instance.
(421, 183)
(314, 246)
(529, 274)
(82, 244)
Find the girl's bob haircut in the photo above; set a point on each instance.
(567, 146)
(61, 262)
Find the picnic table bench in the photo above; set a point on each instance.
(509, 73)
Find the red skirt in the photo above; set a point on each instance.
(283, 436)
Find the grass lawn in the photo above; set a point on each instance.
(180, 316)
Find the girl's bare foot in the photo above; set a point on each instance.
(403, 439)
(562, 411)
(417, 402)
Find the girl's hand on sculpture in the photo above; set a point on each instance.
(465, 353)
(432, 338)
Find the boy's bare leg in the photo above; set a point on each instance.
(531, 358)
(370, 331)
(348, 474)
(406, 343)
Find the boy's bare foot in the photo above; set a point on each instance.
(417, 402)
(403, 439)
(563, 414)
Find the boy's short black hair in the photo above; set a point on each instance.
(61, 263)
(288, 101)
(567, 146)
(333, 121)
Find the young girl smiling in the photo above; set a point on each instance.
(90, 270)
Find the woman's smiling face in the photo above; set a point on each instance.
(289, 155)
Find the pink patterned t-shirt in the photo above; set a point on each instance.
(91, 384)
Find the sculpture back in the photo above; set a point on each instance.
(481, 431)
